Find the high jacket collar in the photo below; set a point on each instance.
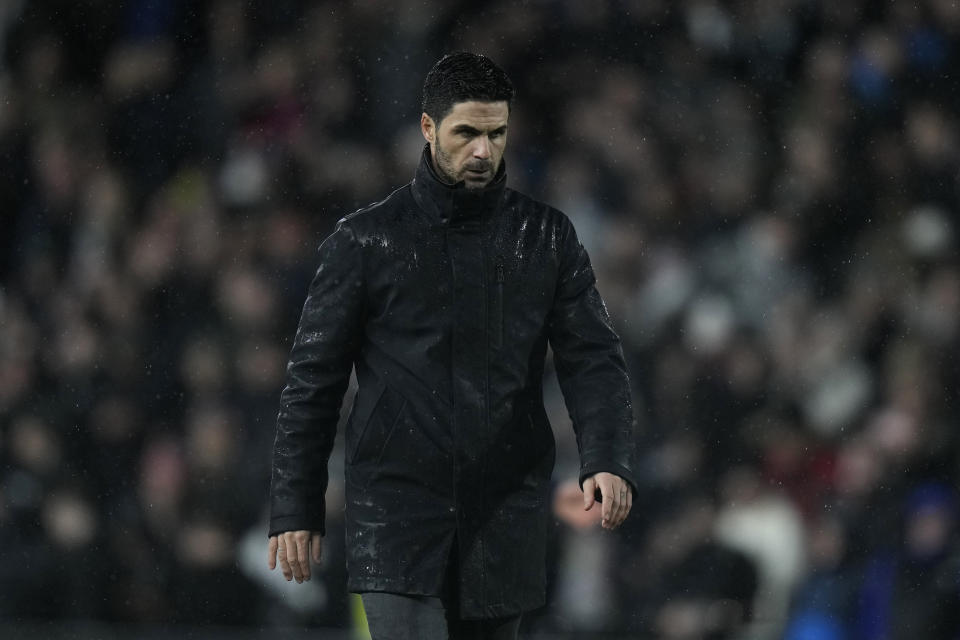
(446, 203)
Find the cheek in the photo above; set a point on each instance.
(455, 152)
(460, 155)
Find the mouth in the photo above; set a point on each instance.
(477, 172)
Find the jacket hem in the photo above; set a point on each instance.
(400, 587)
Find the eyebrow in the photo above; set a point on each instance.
(465, 128)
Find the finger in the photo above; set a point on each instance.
(622, 509)
(610, 502)
(272, 553)
(282, 556)
(291, 544)
(619, 500)
(316, 547)
(589, 487)
(303, 554)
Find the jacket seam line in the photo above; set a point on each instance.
(484, 283)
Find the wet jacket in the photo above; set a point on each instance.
(444, 300)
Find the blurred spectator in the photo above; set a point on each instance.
(584, 597)
(767, 528)
(823, 603)
(704, 587)
(912, 591)
(769, 193)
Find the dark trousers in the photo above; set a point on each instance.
(393, 616)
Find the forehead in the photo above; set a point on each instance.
(477, 114)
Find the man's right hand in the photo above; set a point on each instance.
(294, 550)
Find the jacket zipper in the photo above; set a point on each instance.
(498, 318)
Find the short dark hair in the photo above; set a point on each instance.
(460, 77)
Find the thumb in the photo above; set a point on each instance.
(589, 488)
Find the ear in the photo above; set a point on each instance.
(428, 128)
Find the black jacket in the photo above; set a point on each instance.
(444, 299)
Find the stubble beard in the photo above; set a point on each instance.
(448, 171)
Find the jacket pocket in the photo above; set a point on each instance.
(376, 435)
(365, 405)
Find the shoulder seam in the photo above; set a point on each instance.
(373, 205)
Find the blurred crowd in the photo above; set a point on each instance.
(769, 193)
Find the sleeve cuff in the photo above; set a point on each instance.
(282, 524)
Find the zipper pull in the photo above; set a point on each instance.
(499, 271)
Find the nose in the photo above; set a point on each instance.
(481, 147)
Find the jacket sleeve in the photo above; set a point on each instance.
(318, 372)
(590, 367)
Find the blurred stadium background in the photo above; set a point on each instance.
(769, 192)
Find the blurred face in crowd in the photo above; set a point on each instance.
(468, 142)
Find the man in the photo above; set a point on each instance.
(444, 297)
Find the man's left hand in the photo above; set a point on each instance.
(617, 497)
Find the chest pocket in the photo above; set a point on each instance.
(496, 332)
